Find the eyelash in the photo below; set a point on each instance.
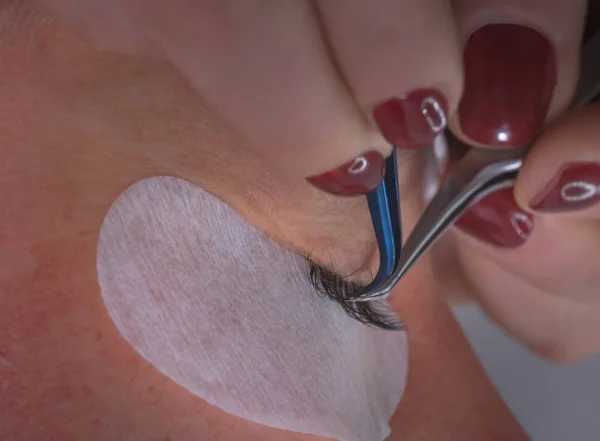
(375, 314)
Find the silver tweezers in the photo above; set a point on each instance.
(479, 173)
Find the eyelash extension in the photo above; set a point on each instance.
(375, 314)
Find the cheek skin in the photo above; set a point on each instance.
(443, 371)
(72, 375)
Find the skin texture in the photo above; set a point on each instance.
(72, 140)
(315, 114)
(79, 124)
(316, 69)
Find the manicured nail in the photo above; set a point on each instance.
(576, 186)
(510, 75)
(357, 177)
(412, 120)
(497, 220)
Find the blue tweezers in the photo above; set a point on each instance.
(384, 205)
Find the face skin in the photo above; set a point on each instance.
(78, 126)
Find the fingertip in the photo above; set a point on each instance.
(561, 173)
(401, 60)
(510, 75)
(356, 177)
(414, 119)
(521, 66)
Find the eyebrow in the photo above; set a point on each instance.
(377, 314)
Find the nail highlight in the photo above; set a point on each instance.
(497, 220)
(413, 119)
(356, 177)
(576, 186)
(510, 76)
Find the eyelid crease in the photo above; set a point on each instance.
(337, 288)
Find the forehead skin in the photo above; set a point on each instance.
(77, 126)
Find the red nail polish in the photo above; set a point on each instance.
(576, 186)
(413, 119)
(357, 177)
(510, 75)
(497, 220)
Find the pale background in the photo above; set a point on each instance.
(553, 403)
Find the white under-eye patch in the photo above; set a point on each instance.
(226, 313)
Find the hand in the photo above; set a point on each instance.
(332, 85)
(546, 290)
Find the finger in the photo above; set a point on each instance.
(558, 258)
(561, 174)
(521, 66)
(264, 67)
(556, 327)
(401, 61)
(544, 289)
(560, 182)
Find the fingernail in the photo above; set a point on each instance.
(497, 220)
(357, 177)
(412, 120)
(510, 75)
(576, 186)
